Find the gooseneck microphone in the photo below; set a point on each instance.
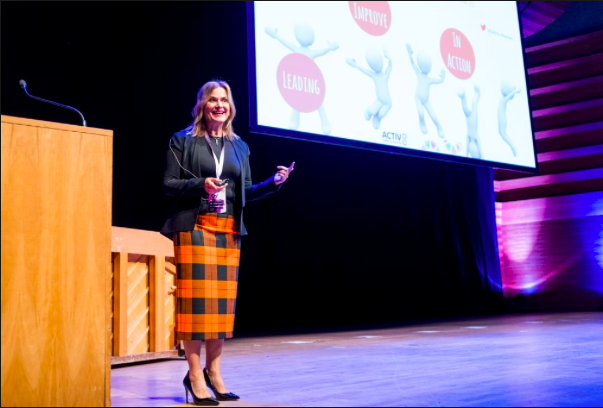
(24, 87)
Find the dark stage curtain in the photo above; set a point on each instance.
(359, 237)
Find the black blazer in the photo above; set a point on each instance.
(189, 191)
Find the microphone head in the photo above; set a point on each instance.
(23, 84)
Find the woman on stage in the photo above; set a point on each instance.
(207, 171)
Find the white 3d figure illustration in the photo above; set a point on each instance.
(423, 87)
(508, 92)
(474, 146)
(378, 109)
(305, 37)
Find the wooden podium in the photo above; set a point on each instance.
(56, 264)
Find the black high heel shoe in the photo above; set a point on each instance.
(201, 402)
(220, 397)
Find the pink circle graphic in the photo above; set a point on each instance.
(457, 53)
(301, 83)
(374, 17)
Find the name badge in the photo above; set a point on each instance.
(217, 202)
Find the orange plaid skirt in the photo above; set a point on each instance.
(207, 262)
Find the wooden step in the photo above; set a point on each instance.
(577, 182)
(551, 209)
(568, 115)
(504, 174)
(568, 92)
(144, 357)
(570, 137)
(566, 71)
(562, 161)
(570, 48)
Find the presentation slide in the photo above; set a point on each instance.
(445, 78)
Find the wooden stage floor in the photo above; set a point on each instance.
(523, 360)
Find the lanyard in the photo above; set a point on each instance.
(219, 163)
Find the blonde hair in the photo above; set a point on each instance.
(199, 126)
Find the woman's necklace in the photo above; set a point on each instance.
(217, 139)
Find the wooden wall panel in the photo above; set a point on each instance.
(144, 300)
(536, 15)
(157, 303)
(170, 304)
(112, 313)
(120, 304)
(138, 305)
(56, 226)
(552, 251)
(550, 226)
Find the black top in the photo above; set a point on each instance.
(183, 179)
(231, 170)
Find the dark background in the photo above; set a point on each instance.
(319, 255)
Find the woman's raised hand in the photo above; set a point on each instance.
(283, 174)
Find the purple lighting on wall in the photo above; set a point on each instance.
(520, 250)
(599, 249)
(597, 212)
(530, 282)
(552, 245)
(536, 15)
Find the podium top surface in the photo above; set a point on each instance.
(54, 125)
